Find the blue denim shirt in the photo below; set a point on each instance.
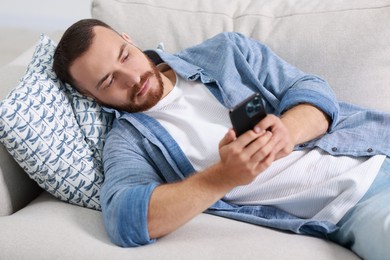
(140, 154)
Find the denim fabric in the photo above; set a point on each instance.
(140, 154)
(365, 229)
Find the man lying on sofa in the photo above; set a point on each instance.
(312, 165)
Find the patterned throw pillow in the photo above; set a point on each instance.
(55, 134)
(93, 121)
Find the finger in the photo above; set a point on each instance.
(279, 134)
(266, 123)
(259, 143)
(280, 144)
(265, 163)
(263, 151)
(283, 150)
(248, 137)
(278, 139)
(229, 137)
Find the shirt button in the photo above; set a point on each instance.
(302, 145)
(334, 149)
(370, 150)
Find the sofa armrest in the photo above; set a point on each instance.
(16, 188)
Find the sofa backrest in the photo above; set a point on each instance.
(346, 42)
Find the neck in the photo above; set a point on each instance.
(169, 79)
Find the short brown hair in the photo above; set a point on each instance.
(73, 44)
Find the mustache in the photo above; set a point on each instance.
(137, 87)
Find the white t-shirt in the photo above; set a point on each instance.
(307, 184)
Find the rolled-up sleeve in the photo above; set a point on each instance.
(125, 216)
(286, 85)
(247, 65)
(129, 182)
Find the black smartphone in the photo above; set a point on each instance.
(247, 114)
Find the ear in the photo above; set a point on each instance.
(88, 95)
(127, 38)
(84, 92)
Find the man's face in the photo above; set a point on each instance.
(117, 74)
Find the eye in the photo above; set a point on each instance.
(125, 57)
(110, 81)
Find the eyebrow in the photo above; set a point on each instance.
(121, 50)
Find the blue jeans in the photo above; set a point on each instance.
(365, 229)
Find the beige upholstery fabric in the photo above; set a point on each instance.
(50, 229)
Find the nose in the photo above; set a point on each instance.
(128, 78)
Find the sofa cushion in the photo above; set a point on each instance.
(345, 42)
(54, 133)
(50, 229)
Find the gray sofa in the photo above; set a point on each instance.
(346, 42)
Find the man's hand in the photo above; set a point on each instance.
(282, 141)
(244, 158)
(297, 125)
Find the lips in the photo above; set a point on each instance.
(144, 88)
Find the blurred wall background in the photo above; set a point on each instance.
(22, 21)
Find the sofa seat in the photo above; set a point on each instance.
(50, 229)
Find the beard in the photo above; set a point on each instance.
(153, 96)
